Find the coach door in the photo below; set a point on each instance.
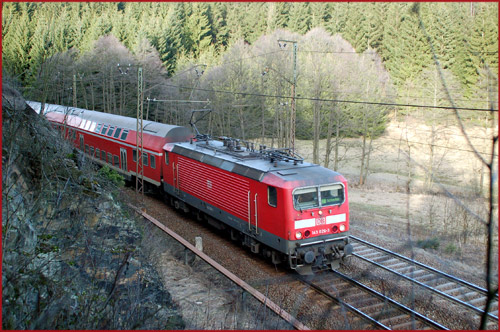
(81, 142)
(123, 159)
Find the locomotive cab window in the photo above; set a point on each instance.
(313, 197)
(166, 157)
(272, 196)
(305, 198)
(332, 194)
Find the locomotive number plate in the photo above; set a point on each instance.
(320, 231)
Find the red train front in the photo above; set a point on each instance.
(288, 210)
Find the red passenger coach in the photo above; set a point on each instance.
(111, 139)
(270, 200)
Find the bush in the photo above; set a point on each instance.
(432, 243)
(112, 176)
(450, 248)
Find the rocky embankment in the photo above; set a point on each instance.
(72, 255)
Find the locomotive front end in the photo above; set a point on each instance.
(319, 230)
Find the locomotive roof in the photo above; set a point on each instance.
(150, 127)
(249, 163)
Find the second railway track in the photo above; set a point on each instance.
(448, 287)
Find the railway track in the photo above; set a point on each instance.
(366, 308)
(453, 289)
(375, 308)
(259, 296)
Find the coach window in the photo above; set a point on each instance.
(145, 158)
(166, 157)
(272, 196)
(110, 158)
(134, 155)
(97, 153)
(92, 151)
(115, 161)
(103, 155)
(110, 131)
(117, 132)
(99, 127)
(153, 162)
(124, 135)
(86, 148)
(104, 129)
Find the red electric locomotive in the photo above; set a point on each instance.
(270, 200)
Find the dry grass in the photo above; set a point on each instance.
(425, 214)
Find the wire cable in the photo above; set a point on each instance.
(337, 100)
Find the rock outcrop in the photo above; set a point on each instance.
(72, 256)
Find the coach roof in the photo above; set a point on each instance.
(150, 127)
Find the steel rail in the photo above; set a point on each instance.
(398, 305)
(441, 274)
(255, 293)
(345, 304)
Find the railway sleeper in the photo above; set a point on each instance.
(353, 297)
(373, 307)
(456, 290)
(400, 264)
(467, 296)
(408, 269)
(442, 287)
(479, 301)
(364, 252)
(390, 321)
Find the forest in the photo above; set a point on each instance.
(345, 68)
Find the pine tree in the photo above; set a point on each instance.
(199, 28)
(220, 28)
(16, 37)
(300, 17)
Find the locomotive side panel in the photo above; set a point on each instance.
(214, 186)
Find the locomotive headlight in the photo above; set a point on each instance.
(298, 235)
(342, 227)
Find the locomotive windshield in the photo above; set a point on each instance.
(318, 196)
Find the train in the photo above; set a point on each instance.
(270, 200)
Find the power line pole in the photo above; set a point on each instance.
(294, 86)
(139, 170)
(74, 90)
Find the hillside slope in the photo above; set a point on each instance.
(72, 256)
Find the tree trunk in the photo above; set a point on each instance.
(362, 167)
